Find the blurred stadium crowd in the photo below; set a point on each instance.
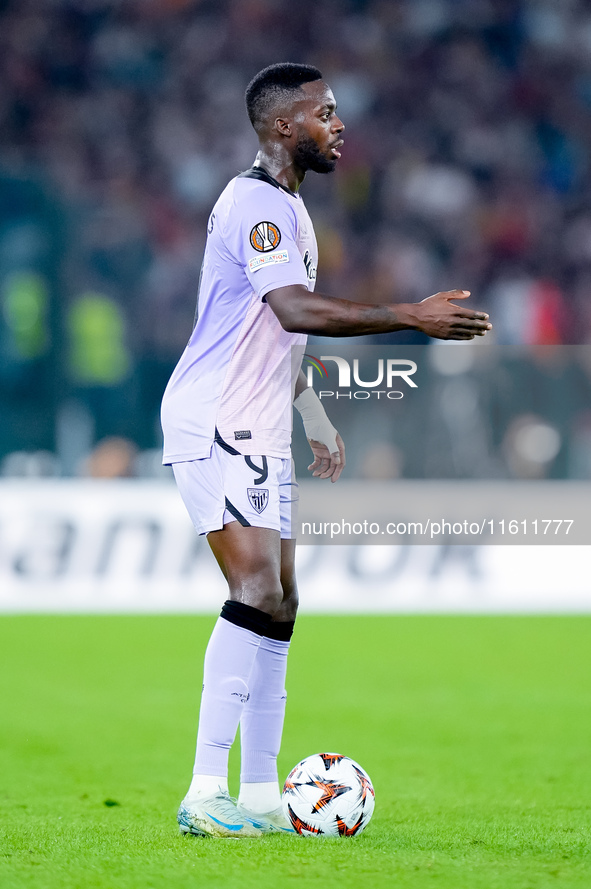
(466, 165)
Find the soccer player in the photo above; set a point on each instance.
(226, 416)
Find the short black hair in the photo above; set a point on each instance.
(273, 83)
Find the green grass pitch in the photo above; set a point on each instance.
(475, 730)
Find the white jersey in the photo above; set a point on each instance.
(237, 375)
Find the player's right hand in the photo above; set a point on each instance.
(439, 317)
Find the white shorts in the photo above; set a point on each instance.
(225, 487)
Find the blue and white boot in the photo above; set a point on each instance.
(270, 822)
(216, 816)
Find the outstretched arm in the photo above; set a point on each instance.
(300, 311)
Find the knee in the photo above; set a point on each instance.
(265, 600)
(289, 608)
(290, 601)
(260, 589)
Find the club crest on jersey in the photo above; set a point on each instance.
(265, 236)
(259, 497)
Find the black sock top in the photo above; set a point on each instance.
(281, 630)
(246, 616)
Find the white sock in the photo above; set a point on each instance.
(260, 798)
(261, 722)
(206, 785)
(229, 659)
(261, 727)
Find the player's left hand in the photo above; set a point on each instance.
(327, 465)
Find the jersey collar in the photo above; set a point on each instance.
(261, 174)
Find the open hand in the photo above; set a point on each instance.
(439, 317)
(327, 465)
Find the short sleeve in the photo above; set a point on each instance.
(265, 230)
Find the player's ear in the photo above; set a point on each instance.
(283, 127)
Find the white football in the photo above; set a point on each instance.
(327, 794)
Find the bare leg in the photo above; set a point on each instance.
(289, 606)
(251, 561)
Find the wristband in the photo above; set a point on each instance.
(316, 424)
